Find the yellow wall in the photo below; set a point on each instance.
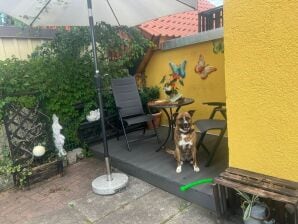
(20, 48)
(210, 89)
(261, 64)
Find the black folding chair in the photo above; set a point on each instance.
(130, 110)
(206, 125)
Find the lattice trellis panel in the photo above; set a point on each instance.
(26, 128)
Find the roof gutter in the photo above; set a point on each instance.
(193, 39)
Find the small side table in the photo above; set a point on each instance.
(168, 107)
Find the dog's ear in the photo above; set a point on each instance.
(175, 115)
(191, 112)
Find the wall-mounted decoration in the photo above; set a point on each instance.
(179, 69)
(202, 69)
(218, 46)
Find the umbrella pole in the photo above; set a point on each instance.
(107, 184)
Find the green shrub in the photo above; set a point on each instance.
(148, 94)
(60, 73)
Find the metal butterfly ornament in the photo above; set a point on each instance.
(179, 69)
(202, 69)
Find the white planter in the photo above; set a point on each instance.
(258, 211)
(174, 98)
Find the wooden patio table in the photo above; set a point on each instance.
(168, 107)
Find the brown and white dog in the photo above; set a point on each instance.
(185, 141)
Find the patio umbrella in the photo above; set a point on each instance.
(76, 13)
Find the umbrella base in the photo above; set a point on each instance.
(102, 186)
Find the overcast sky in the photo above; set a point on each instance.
(216, 2)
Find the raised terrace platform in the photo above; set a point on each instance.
(159, 168)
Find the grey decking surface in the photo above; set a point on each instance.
(159, 168)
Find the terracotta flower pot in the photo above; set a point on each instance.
(156, 120)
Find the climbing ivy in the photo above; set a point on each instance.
(60, 72)
(8, 168)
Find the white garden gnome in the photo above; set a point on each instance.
(58, 137)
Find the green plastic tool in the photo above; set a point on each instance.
(195, 183)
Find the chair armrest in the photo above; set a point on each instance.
(222, 110)
(218, 104)
(218, 107)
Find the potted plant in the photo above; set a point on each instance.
(254, 211)
(170, 86)
(148, 94)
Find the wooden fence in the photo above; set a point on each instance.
(20, 42)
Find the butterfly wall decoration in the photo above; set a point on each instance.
(179, 69)
(218, 46)
(202, 69)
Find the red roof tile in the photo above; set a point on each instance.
(177, 25)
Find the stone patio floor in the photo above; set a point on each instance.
(70, 200)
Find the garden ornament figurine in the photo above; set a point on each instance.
(59, 139)
(94, 115)
(39, 151)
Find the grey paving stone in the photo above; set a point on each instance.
(95, 206)
(4, 220)
(194, 214)
(71, 157)
(63, 216)
(197, 214)
(153, 208)
(69, 200)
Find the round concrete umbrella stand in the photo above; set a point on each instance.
(101, 185)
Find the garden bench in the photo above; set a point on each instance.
(266, 187)
(89, 132)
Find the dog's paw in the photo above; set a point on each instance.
(191, 162)
(178, 170)
(196, 169)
